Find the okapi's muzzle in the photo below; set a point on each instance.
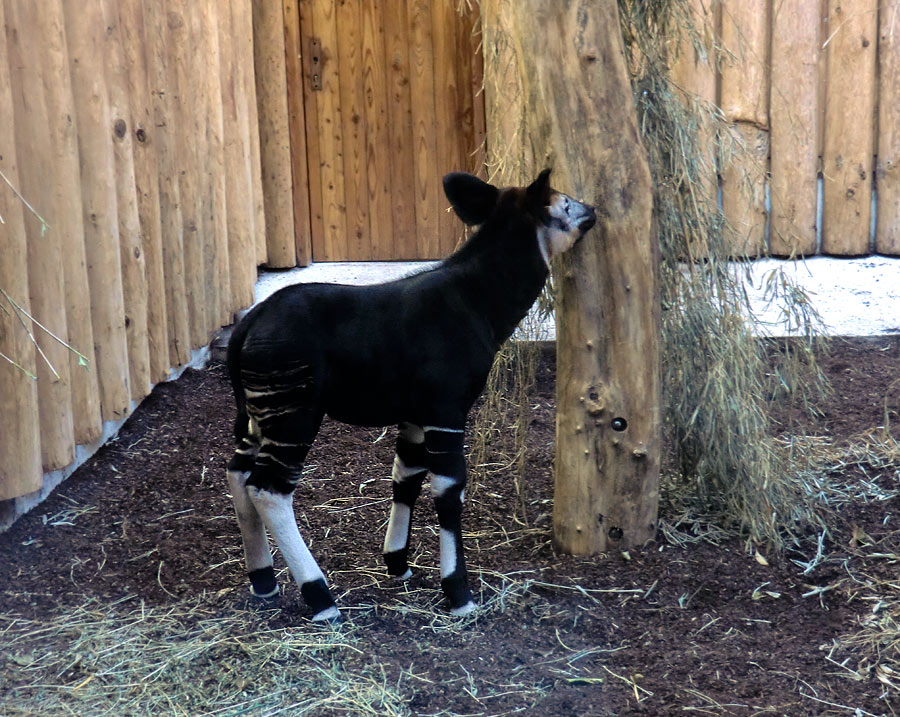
(567, 221)
(589, 220)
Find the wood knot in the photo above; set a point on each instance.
(120, 128)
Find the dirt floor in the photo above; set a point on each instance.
(144, 534)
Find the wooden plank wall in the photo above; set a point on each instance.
(809, 90)
(400, 105)
(131, 131)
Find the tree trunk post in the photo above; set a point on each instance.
(577, 87)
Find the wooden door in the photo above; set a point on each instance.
(391, 101)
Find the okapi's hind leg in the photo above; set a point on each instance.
(410, 469)
(257, 556)
(284, 443)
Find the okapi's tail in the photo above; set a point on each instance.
(233, 357)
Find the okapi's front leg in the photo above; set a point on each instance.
(410, 468)
(447, 463)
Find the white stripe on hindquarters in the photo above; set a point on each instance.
(277, 512)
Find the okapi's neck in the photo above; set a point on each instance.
(503, 271)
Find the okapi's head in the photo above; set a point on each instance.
(559, 220)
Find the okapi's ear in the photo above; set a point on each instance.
(539, 190)
(472, 199)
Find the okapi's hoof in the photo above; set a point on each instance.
(330, 615)
(317, 595)
(402, 578)
(263, 584)
(466, 609)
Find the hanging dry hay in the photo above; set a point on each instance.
(717, 377)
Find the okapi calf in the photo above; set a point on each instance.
(414, 352)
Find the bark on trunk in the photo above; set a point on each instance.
(577, 88)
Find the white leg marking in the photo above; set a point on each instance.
(444, 430)
(278, 513)
(448, 553)
(402, 471)
(398, 528)
(256, 547)
(441, 484)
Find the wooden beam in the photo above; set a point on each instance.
(887, 228)
(65, 181)
(146, 178)
(274, 132)
(238, 186)
(294, 58)
(744, 98)
(850, 94)
(87, 65)
(163, 97)
(794, 114)
(131, 250)
(578, 92)
(20, 469)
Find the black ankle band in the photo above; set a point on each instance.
(396, 561)
(317, 595)
(456, 588)
(262, 582)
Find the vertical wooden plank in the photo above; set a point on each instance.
(238, 187)
(20, 469)
(179, 62)
(743, 189)
(849, 133)
(146, 179)
(510, 157)
(447, 104)
(378, 155)
(69, 224)
(745, 33)
(44, 264)
(199, 99)
(274, 134)
(744, 99)
(311, 127)
(218, 292)
(87, 65)
(694, 73)
(353, 119)
(479, 115)
(246, 65)
(163, 97)
(297, 127)
(794, 114)
(332, 244)
(134, 276)
(887, 228)
(469, 66)
(421, 43)
(400, 124)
